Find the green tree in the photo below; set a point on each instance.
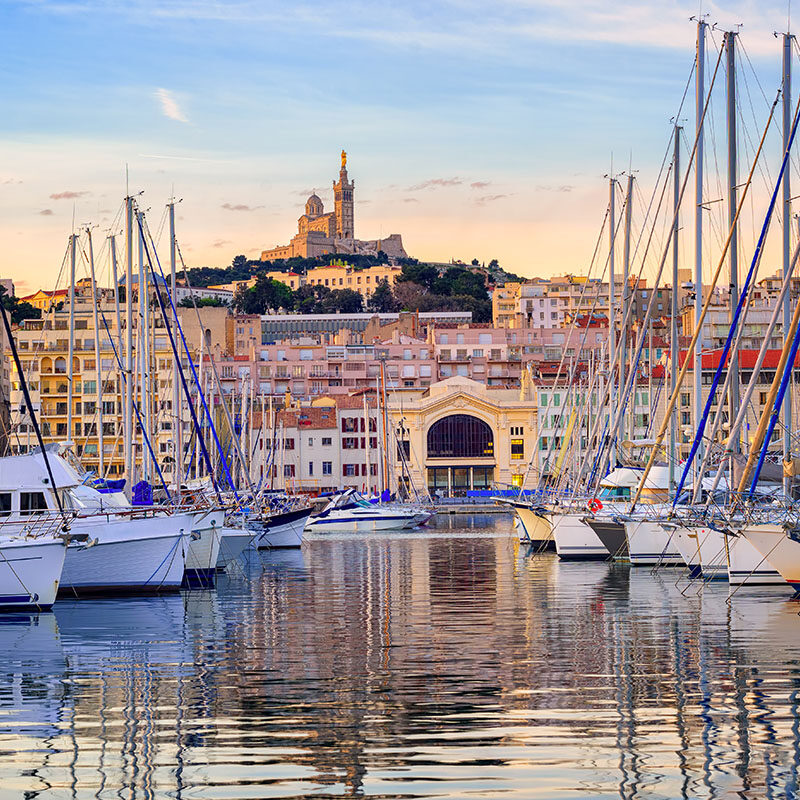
(382, 300)
(239, 262)
(342, 301)
(266, 295)
(18, 311)
(422, 274)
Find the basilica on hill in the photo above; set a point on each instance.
(319, 232)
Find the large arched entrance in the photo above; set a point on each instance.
(460, 455)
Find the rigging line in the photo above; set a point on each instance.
(699, 322)
(215, 373)
(180, 371)
(609, 439)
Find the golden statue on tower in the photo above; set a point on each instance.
(344, 159)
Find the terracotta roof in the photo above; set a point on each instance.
(747, 359)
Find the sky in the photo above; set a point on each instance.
(474, 129)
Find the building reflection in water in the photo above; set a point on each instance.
(439, 665)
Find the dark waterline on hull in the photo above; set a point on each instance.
(450, 662)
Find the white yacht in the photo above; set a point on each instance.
(348, 512)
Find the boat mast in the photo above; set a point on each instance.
(98, 364)
(787, 221)
(733, 255)
(626, 295)
(73, 239)
(366, 433)
(142, 339)
(698, 223)
(612, 344)
(177, 422)
(127, 427)
(674, 350)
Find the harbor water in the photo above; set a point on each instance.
(447, 663)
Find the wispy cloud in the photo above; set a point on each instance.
(11, 182)
(410, 200)
(480, 184)
(239, 207)
(435, 183)
(169, 105)
(67, 195)
(221, 243)
(564, 187)
(46, 212)
(490, 198)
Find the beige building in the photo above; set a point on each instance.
(342, 276)
(459, 434)
(320, 232)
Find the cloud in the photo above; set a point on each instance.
(67, 195)
(480, 184)
(11, 182)
(221, 243)
(239, 207)
(564, 187)
(490, 198)
(169, 105)
(435, 183)
(46, 212)
(410, 200)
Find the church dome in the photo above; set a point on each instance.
(314, 206)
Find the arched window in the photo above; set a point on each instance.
(460, 436)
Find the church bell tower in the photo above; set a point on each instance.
(343, 202)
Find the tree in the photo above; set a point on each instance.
(422, 274)
(239, 262)
(382, 300)
(342, 301)
(17, 310)
(213, 302)
(493, 264)
(409, 295)
(266, 295)
(475, 262)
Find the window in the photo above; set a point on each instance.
(685, 399)
(349, 442)
(543, 443)
(288, 470)
(349, 424)
(311, 468)
(5, 504)
(288, 444)
(327, 467)
(516, 430)
(310, 441)
(517, 449)
(326, 441)
(349, 470)
(30, 502)
(460, 436)
(477, 353)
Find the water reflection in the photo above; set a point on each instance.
(440, 665)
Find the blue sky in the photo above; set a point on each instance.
(474, 129)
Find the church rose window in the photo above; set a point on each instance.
(460, 436)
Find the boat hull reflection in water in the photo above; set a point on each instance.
(451, 663)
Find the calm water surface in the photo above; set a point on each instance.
(450, 664)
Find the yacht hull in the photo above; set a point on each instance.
(575, 540)
(202, 550)
(612, 535)
(650, 545)
(776, 549)
(233, 542)
(284, 529)
(535, 528)
(351, 521)
(30, 571)
(127, 555)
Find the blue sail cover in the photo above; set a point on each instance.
(142, 494)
